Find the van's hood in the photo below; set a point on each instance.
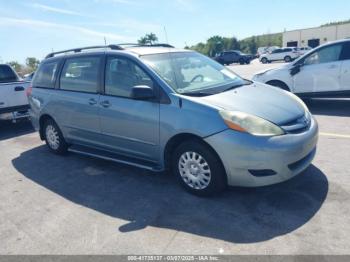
(270, 103)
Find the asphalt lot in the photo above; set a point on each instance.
(79, 205)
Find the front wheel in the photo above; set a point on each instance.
(198, 169)
(54, 138)
(264, 60)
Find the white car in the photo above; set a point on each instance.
(266, 49)
(13, 99)
(287, 54)
(304, 50)
(324, 71)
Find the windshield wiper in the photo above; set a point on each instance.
(198, 93)
(247, 82)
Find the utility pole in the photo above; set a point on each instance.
(105, 41)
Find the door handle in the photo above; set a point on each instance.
(105, 103)
(92, 101)
(19, 88)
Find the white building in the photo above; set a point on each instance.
(316, 36)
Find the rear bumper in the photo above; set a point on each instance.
(253, 161)
(14, 109)
(14, 113)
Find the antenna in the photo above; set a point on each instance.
(166, 35)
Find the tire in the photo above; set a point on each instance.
(247, 61)
(287, 59)
(198, 169)
(54, 138)
(264, 60)
(278, 84)
(241, 61)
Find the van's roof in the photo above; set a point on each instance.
(133, 49)
(154, 50)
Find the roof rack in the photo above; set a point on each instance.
(78, 50)
(146, 45)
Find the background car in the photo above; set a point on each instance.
(28, 77)
(303, 50)
(265, 49)
(287, 54)
(233, 56)
(325, 71)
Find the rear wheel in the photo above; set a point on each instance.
(287, 59)
(198, 169)
(54, 138)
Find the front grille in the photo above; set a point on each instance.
(297, 125)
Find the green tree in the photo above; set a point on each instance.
(150, 38)
(32, 63)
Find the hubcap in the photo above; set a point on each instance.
(52, 137)
(194, 170)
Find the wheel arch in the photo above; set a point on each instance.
(279, 83)
(176, 140)
(43, 118)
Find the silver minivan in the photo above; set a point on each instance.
(162, 108)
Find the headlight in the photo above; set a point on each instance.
(254, 125)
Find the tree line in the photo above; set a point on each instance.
(31, 64)
(217, 44)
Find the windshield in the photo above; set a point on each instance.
(188, 72)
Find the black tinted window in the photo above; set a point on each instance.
(122, 75)
(80, 74)
(345, 55)
(7, 74)
(45, 77)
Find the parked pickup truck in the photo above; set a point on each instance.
(13, 99)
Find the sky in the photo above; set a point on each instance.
(35, 28)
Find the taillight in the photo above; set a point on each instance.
(29, 91)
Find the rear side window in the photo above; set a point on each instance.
(7, 74)
(81, 74)
(45, 77)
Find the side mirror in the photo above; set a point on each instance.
(295, 69)
(142, 92)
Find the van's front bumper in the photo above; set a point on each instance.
(253, 161)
